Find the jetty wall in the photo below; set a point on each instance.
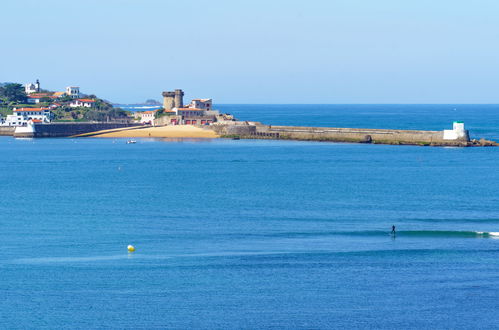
(69, 129)
(7, 130)
(336, 134)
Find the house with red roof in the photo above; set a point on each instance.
(36, 97)
(21, 116)
(86, 103)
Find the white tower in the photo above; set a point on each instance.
(457, 132)
(73, 91)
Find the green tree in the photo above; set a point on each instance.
(65, 98)
(13, 93)
(95, 115)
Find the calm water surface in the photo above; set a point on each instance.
(254, 234)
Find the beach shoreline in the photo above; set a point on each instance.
(178, 131)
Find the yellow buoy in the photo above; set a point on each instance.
(131, 248)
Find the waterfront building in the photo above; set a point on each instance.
(173, 99)
(198, 112)
(73, 91)
(86, 103)
(456, 132)
(194, 116)
(145, 117)
(21, 116)
(204, 104)
(32, 88)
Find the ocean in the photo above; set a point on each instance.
(255, 233)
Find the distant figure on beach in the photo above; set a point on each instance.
(393, 230)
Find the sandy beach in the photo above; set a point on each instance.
(180, 131)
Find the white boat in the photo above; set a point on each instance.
(131, 141)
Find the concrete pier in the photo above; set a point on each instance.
(7, 130)
(458, 136)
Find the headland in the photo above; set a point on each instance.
(62, 114)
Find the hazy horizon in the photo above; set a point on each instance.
(280, 52)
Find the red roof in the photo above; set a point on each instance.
(38, 95)
(190, 109)
(86, 100)
(31, 109)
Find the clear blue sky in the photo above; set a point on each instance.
(253, 51)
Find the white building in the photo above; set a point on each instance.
(204, 104)
(86, 103)
(21, 116)
(32, 88)
(33, 99)
(146, 117)
(73, 91)
(457, 131)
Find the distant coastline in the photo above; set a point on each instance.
(133, 107)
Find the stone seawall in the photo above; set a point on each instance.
(69, 129)
(7, 130)
(359, 135)
(253, 130)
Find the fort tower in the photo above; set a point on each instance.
(179, 98)
(168, 100)
(173, 99)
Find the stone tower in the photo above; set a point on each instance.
(179, 98)
(168, 100)
(173, 99)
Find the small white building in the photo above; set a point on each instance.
(457, 132)
(86, 103)
(73, 91)
(33, 99)
(146, 117)
(203, 104)
(21, 116)
(32, 88)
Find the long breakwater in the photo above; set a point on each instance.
(350, 135)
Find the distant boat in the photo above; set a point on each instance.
(131, 142)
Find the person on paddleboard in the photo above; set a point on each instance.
(393, 229)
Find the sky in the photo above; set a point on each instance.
(254, 51)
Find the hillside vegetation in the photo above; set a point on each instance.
(12, 95)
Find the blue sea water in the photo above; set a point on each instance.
(251, 233)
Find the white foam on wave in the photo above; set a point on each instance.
(61, 260)
(491, 234)
(48, 260)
